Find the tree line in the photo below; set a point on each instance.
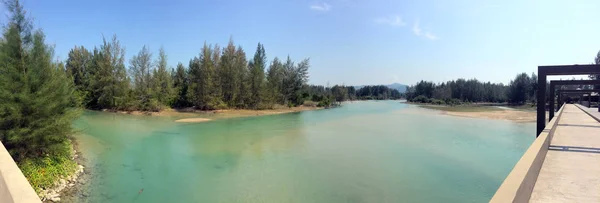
(327, 96)
(520, 90)
(217, 78)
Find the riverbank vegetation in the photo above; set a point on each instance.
(520, 91)
(218, 78)
(37, 102)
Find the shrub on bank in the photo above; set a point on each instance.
(421, 99)
(44, 172)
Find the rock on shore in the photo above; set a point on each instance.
(53, 194)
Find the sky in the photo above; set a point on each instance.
(351, 42)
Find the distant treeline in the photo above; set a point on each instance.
(520, 90)
(338, 93)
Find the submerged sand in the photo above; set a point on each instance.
(512, 115)
(487, 112)
(193, 120)
(190, 115)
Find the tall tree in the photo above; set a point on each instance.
(229, 74)
(180, 84)
(275, 81)
(140, 70)
(202, 75)
(79, 69)
(110, 83)
(295, 77)
(36, 96)
(257, 76)
(242, 78)
(163, 85)
(215, 91)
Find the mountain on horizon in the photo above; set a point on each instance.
(400, 87)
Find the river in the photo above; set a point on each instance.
(373, 151)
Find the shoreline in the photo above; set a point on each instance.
(190, 115)
(67, 186)
(486, 111)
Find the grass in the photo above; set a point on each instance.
(462, 108)
(43, 173)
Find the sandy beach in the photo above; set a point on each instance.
(190, 115)
(486, 112)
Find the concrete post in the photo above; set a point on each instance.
(541, 101)
(551, 103)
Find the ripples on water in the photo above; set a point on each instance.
(380, 151)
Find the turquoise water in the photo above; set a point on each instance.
(381, 151)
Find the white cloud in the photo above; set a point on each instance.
(430, 36)
(391, 21)
(416, 28)
(320, 7)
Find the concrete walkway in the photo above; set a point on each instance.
(591, 111)
(571, 168)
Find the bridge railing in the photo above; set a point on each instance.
(14, 187)
(518, 185)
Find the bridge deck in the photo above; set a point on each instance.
(571, 168)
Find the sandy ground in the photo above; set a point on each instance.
(192, 120)
(190, 115)
(504, 114)
(487, 112)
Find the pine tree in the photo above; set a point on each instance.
(141, 72)
(216, 94)
(110, 83)
(257, 76)
(163, 83)
(241, 69)
(78, 67)
(229, 75)
(180, 84)
(36, 96)
(202, 75)
(275, 81)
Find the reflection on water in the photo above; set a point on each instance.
(381, 151)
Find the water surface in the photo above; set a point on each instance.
(382, 151)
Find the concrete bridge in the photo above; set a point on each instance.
(562, 164)
(14, 188)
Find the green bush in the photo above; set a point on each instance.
(421, 99)
(44, 172)
(437, 102)
(453, 102)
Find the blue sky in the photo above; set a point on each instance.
(352, 42)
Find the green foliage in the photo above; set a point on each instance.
(520, 89)
(180, 86)
(275, 84)
(378, 92)
(421, 99)
(36, 97)
(141, 72)
(202, 89)
(460, 90)
(162, 82)
(43, 172)
(256, 77)
(229, 75)
(110, 84)
(325, 102)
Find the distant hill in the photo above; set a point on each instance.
(400, 87)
